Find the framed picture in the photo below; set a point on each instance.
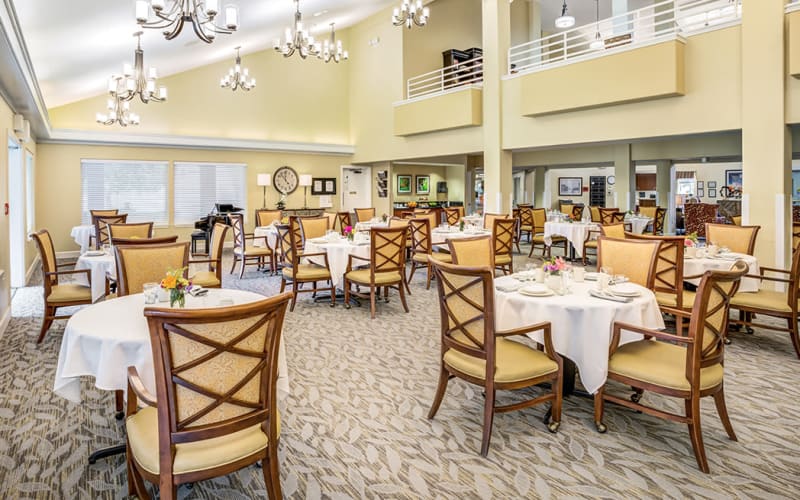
(383, 183)
(700, 185)
(712, 184)
(570, 186)
(712, 193)
(701, 192)
(403, 184)
(423, 184)
(733, 178)
(323, 186)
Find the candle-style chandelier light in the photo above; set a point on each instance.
(172, 15)
(135, 82)
(332, 49)
(411, 13)
(119, 111)
(298, 39)
(238, 77)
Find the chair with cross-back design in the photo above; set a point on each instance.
(452, 216)
(295, 270)
(386, 267)
(101, 222)
(687, 367)
(364, 214)
(577, 212)
(526, 222)
(422, 250)
(212, 276)
(214, 410)
(100, 213)
(739, 239)
(608, 215)
(245, 250)
(503, 238)
(474, 351)
(130, 230)
(344, 221)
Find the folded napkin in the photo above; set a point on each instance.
(510, 286)
(608, 296)
(729, 256)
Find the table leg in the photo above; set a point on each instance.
(106, 452)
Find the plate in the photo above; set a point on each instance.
(536, 290)
(94, 253)
(625, 290)
(591, 276)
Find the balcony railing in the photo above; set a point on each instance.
(638, 27)
(450, 77)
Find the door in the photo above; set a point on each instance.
(356, 188)
(16, 213)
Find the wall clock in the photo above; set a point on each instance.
(611, 180)
(285, 180)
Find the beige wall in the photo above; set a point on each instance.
(59, 180)
(460, 108)
(294, 100)
(584, 174)
(709, 172)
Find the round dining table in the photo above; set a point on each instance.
(695, 266)
(338, 252)
(82, 235)
(100, 265)
(574, 232)
(104, 339)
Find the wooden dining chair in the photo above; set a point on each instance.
(104, 212)
(635, 259)
(130, 230)
(590, 243)
(332, 217)
(565, 207)
(474, 251)
(503, 239)
(344, 221)
(539, 219)
(140, 264)
(386, 268)
(577, 212)
(244, 249)
(526, 222)
(474, 351)
(295, 269)
(364, 214)
(739, 239)
(488, 219)
(608, 215)
(215, 408)
(58, 294)
(313, 227)
(688, 368)
(265, 217)
(594, 211)
(422, 250)
(145, 241)
(615, 230)
(452, 216)
(211, 277)
(100, 223)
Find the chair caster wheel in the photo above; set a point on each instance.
(749, 330)
(347, 306)
(189, 486)
(553, 427)
(636, 397)
(119, 415)
(727, 341)
(333, 305)
(601, 427)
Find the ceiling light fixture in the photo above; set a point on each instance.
(238, 77)
(171, 15)
(332, 49)
(597, 43)
(297, 40)
(564, 20)
(119, 111)
(409, 14)
(135, 82)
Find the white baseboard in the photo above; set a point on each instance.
(73, 254)
(32, 269)
(4, 321)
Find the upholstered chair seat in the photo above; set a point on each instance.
(308, 272)
(251, 250)
(502, 260)
(69, 292)
(295, 271)
(211, 277)
(763, 299)
(361, 276)
(590, 244)
(666, 299)
(513, 362)
(207, 279)
(423, 258)
(245, 249)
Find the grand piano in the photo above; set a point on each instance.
(203, 227)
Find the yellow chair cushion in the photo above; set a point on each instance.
(69, 292)
(669, 299)
(502, 259)
(539, 238)
(383, 278)
(525, 228)
(661, 364)
(142, 429)
(513, 362)
(423, 258)
(590, 244)
(251, 251)
(207, 279)
(763, 299)
(308, 272)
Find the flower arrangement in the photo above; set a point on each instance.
(690, 240)
(411, 204)
(177, 286)
(554, 266)
(349, 232)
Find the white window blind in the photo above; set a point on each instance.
(136, 188)
(198, 186)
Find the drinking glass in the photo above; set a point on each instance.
(606, 273)
(150, 292)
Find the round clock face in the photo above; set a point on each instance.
(611, 179)
(285, 180)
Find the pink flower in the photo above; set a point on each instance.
(348, 229)
(688, 242)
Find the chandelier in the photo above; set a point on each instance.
(409, 14)
(297, 40)
(171, 15)
(332, 49)
(119, 111)
(134, 82)
(238, 77)
(565, 20)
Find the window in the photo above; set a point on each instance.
(198, 186)
(136, 188)
(30, 188)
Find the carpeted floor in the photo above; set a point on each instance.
(355, 423)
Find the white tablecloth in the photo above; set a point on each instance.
(100, 266)
(693, 267)
(439, 237)
(581, 324)
(81, 235)
(474, 219)
(575, 232)
(271, 232)
(338, 255)
(638, 224)
(104, 339)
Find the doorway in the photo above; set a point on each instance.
(16, 213)
(356, 188)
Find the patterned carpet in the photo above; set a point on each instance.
(355, 423)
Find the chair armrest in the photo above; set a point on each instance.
(619, 326)
(87, 272)
(350, 261)
(137, 390)
(546, 332)
(774, 270)
(768, 278)
(525, 329)
(692, 277)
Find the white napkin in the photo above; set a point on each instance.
(607, 296)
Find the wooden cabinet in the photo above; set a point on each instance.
(645, 182)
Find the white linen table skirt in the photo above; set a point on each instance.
(81, 235)
(638, 224)
(104, 339)
(693, 267)
(271, 232)
(439, 237)
(338, 254)
(581, 324)
(100, 266)
(575, 232)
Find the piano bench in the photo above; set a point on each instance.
(199, 236)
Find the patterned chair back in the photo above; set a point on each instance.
(266, 217)
(140, 264)
(503, 236)
(739, 239)
(636, 259)
(388, 250)
(420, 230)
(364, 214)
(131, 230)
(344, 221)
(451, 216)
(709, 320)
(476, 251)
(313, 227)
(669, 266)
(101, 222)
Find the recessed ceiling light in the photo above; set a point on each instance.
(317, 14)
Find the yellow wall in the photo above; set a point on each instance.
(793, 43)
(461, 108)
(59, 180)
(294, 100)
(712, 103)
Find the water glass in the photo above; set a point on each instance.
(578, 274)
(151, 292)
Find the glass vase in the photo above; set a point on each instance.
(554, 282)
(177, 296)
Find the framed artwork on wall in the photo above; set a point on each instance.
(712, 184)
(323, 186)
(701, 192)
(403, 184)
(570, 186)
(733, 178)
(383, 183)
(712, 193)
(700, 185)
(423, 183)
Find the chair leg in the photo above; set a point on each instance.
(272, 476)
(722, 410)
(793, 333)
(533, 246)
(346, 286)
(244, 264)
(402, 297)
(135, 483)
(372, 293)
(695, 432)
(167, 490)
(233, 266)
(413, 269)
(294, 295)
(555, 414)
(47, 322)
(599, 409)
(429, 271)
(283, 284)
(488, 418)
(444, 377)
